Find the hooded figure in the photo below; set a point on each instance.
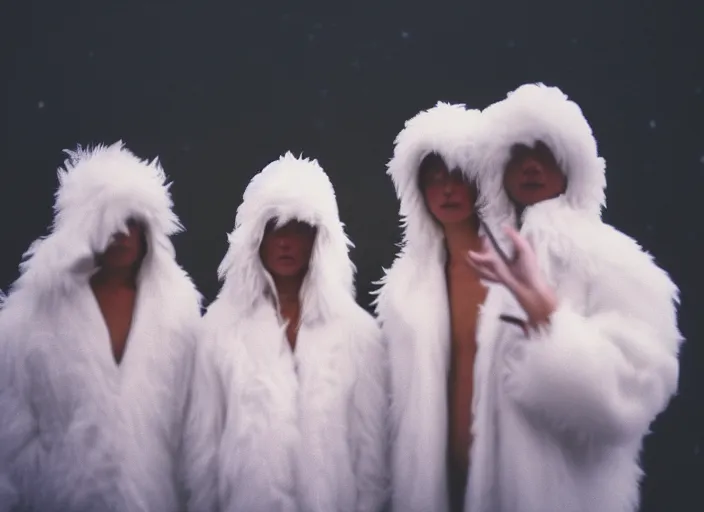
(292, 408)
(567, 390)
(80, 431)
(428, 311)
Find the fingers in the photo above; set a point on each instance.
(484, 271)
(520, 243)
(484, 264)
(486, 245)
(482, 257)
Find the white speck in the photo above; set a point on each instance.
(318, 26)
(650, 227)
(323, 92)
(698, 91)
(405, 35)
(511, 43)
(91, 54)
(652, 124)
(355, 64)
(573, 40)
(701, 159)
(41, 105)
(311, 37)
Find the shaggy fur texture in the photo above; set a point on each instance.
(558, 419)
(276, 430)
(448, 130)
(560, 415)
(77, 432)
(414, 313)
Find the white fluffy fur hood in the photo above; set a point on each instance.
(99, 190)
(448, 130)
(532, 113)
(286, 189)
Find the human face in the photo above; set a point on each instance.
(533, 175)
(126, 249)
(448, 196)
(285, 251)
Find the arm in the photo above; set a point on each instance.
(32, 430)
(606, 373)
(369, 428)
(17, 428)
(44, 435)
(203, 424)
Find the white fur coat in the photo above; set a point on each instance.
(275, 430)
(413, 309)
(78, 432)
(558, 419)
(576, 399)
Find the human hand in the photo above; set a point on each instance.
(521, 275)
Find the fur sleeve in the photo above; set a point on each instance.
(54, 459)
(608, 373)
(205, 412)
(17, 435)
(8, 495)
(369, 416)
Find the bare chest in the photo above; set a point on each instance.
(465, 296)
(117, 309)
(291, 314)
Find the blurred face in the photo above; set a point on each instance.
(532, 175)
(285, 251)
(447, 194)
(126, 250)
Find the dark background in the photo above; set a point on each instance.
(219, 89)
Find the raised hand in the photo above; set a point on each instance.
(521, 275)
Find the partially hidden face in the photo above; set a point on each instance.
(448, 196)
(533, 175)
(285, 250)
(126, 249)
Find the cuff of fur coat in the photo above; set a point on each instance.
(566, 376)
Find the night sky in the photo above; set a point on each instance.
(217, 90)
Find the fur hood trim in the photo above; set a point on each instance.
(286, 189)
(99, 190)
(448, 130)
(532, 113)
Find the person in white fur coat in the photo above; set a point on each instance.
(428, 307)
(566, 391)
(292, 399)
(96, 346)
